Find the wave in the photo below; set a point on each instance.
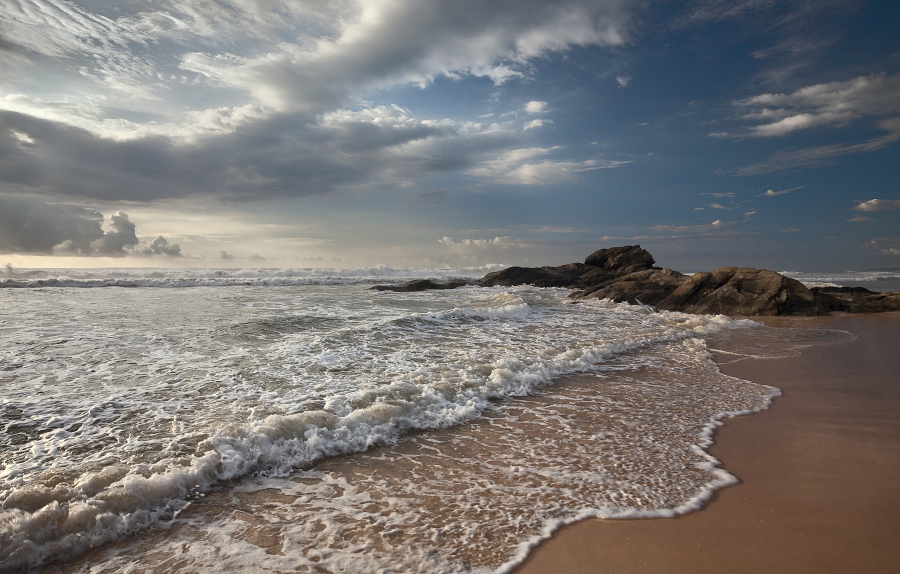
(177, 278)
(43, 521)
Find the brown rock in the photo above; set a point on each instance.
(856, 299)
(626, 259)
(419, 285)
(647, 287)
(743, 291)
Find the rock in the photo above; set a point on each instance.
(743, 291)
(647, 287)
(627, 274)
(598, 269)
(536, 276)
(420, 285)
(856, 299)
(627, 259)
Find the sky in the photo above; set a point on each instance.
(449, 133)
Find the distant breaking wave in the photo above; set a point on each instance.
(85, 278)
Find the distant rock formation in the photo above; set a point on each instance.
(627, 274)
(856, 299)
(420, 285)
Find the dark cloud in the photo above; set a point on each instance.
(30, 225)
(121, 237)
(284, 156)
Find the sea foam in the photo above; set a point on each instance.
(122, 406)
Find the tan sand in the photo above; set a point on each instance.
(819, 471)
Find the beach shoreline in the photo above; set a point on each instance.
(817, 470)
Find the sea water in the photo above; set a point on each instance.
(295, 420)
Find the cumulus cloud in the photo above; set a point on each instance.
(878, 205)
(161, 246)
(536, 107)
(119, 238)
(885, 245)
(29, 225)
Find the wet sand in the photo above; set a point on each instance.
(819, 472)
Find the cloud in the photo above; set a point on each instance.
(536, 124)
(878, 205)
(161, 246)
(279, 157)
(623, 81)
(121, 237)
(857, 218)
(30, 225)
(521, 167)
(821, 155)
(885, 245)
(828, 104)
(685, 231)
(496, 241)
(773, 193)
(536, 107)
(246, 100)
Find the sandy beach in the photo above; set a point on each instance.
(819, 472)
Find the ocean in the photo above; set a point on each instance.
(296, 420)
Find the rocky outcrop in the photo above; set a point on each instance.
(622, 260)
(856, 299)
(627, 274)
(599, 268)
(742, 291)
(420, 285)
(647, 287)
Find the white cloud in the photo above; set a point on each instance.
(518, 167)
(822, 155)
(857, 218)
(878, 205)
(536, 107)
(773, 193)
(496, 241)
(828, 104)
(623, 81)
(171, 59)
(535, 124)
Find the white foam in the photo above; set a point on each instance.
(128, 403)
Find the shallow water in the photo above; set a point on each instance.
(325, 428)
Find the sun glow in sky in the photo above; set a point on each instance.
(446, 133)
